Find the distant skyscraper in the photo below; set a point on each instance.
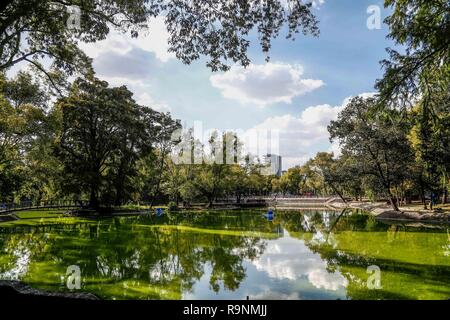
(274, 161)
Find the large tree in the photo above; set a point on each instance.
(418, 80)
(377, 140)
(22, 120)
(329, 169)
(164, 142)
(421, 27)
(430, 140)
(104, 133)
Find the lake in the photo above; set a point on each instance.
(231, 255)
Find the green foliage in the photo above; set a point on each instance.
(104, 134)
(422, 28)
(23, 126)
(39, 214)
(97, 142)
(418, 81)
(172, 206)
(376, 140)
(218, 30)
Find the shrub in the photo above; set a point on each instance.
(172, 206)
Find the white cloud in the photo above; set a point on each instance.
(153, 40)
(315, 3)
(320, 278)
(335, 148)
(297, 135)
(123, 60)
(288, 259)
(141, 91)
(362, 95)
(275, 295)
(289, 162)
(146, 99)
(300, 138)
(264, 84)
(136, 64)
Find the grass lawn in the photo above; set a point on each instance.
(139, 207)
(36, 214)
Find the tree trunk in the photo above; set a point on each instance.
(422, 194)
(93, 199)
(393, 203)
(392, 199)
(338, 193)
(210, 203)
(158, 184)
(120, 185)
(94, 182)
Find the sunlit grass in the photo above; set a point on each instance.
(34, 214)
(222, 232)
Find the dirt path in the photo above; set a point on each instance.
(384, 211)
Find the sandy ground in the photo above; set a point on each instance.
(414, 212)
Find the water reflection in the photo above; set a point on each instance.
(290, 259)
(231, 255)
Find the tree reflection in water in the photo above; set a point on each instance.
(165, 258)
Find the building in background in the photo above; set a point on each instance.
(273, 161)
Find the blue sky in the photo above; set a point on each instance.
(299, 92)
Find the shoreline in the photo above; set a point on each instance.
(14, 289)
(380, 210)
(383, 211)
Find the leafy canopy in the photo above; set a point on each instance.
(31, 30)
